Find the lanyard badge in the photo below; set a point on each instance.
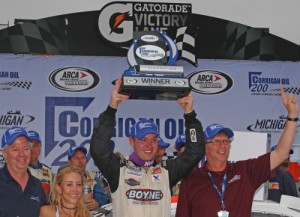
(223, 212)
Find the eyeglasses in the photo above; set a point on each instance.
(219, 142)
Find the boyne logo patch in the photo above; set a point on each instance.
(144, 194)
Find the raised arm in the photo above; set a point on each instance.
(186, 103)
(286, 140)
(194, 151)
(104, 159)
(116, 98)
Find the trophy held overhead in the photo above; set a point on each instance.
(151, 75)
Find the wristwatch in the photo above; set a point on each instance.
(293, 119)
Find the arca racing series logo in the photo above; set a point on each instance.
(210, 82)
(145, 195)
(118, 20)
(74, 79)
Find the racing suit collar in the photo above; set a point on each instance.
(139, 162)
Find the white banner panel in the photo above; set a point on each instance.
(62, 96)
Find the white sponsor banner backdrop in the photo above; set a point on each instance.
(61, 97)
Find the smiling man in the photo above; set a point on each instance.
(21, 194)
(139, 185)
(223, 189)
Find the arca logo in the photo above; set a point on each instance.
(74, 79)
(210, 82)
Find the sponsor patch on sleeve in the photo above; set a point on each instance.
(131, 172)
(132, 182)
(193, 135)
(156, 177)
(156, 171)
(274, 185)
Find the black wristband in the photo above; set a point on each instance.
(292, 119)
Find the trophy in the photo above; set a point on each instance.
(151, 74)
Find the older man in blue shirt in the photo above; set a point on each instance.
(21, 194)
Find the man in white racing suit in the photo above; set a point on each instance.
(139, 186)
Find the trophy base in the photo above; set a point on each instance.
(155, 87)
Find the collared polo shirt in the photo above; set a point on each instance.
(17, 203)
(198, 196)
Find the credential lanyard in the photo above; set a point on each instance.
(221, 194)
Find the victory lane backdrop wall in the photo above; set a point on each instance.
(108, 31)
(62, 96)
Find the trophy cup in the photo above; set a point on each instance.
(151, 74)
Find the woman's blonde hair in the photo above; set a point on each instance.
(81, 210)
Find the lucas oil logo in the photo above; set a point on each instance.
(145, 195)
(74, 79)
